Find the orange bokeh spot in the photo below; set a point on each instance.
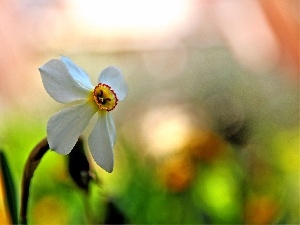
(177, 173)
(260, 210)
(205, 146)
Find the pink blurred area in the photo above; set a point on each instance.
(263, 35)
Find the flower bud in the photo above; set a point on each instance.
(78, 166)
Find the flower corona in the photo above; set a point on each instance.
(105, 97)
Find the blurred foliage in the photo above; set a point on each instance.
(239, 162)
(9, 195)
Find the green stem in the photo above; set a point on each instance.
(32, 162)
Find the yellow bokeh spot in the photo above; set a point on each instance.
(50, 210)
(4, 218)
(287, 148)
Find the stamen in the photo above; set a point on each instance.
(101, 99)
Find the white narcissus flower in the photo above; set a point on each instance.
(65, 82)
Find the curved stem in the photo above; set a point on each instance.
(32, 162)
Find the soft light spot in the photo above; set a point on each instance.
(165, 130)
(131, 17)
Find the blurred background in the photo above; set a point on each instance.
(209, 132)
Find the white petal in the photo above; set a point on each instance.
(60, 84)
(113, 77)
(100, 143)
(77, 73)
(111, 128)
(65, 127)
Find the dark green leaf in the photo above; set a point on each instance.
(9, 189)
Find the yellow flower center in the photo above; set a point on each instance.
(105, 97)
